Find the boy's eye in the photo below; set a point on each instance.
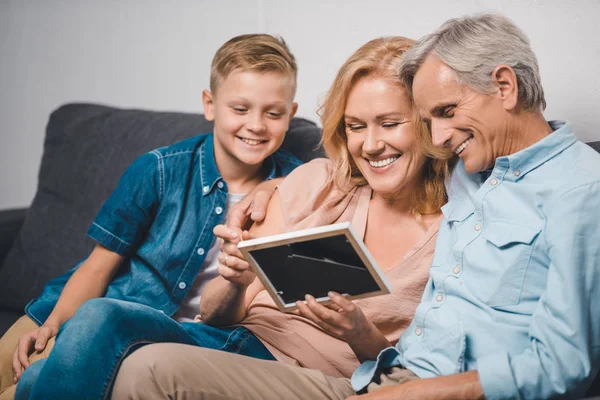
(274, 114)
(239, 110)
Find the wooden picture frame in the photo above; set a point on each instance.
(314, 261)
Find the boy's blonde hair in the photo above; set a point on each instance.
(380, 57)
(252, 52)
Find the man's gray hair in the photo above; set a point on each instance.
(473, 46)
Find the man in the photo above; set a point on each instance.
(511, 309)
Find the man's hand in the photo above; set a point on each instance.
(253, 207)
(35, 340)
(463, 386)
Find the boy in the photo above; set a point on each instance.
(155, 242)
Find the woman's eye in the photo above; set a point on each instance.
(390, 124)
(354, 128)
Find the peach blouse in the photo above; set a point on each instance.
(310, 199)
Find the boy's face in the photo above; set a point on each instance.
(252, 112)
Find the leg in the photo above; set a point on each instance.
(8, 344)
(91, 345)
(391, 376)
(175, 371)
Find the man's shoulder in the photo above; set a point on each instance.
(576, 166)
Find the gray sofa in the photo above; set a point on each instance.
(87, 148)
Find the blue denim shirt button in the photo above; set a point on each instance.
(200, 251)
(219, 210)
(182, 285)
(220, 185)
(205, 189)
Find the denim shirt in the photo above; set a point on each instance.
(514, 288)
(160, 217)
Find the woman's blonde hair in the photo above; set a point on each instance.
(380, 57)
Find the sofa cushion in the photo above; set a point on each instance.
(86, 150)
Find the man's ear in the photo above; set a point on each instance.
(294, 109)
(209, 105)
(505, 79)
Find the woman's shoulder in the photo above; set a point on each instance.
(311, 175)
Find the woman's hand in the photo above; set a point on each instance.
(346, 321)
(232, 266)
(35, 340)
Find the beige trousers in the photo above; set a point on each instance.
(8, 345)
(177, 371)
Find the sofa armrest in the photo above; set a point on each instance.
(10, 225)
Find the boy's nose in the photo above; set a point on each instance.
(255, 124)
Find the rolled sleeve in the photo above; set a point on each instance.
(124, 219)
(563, 356)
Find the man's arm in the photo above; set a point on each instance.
(463, 386)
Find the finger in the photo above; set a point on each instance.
(227, 234)
(43, 336)
(246, 235)
(231, 250)
(342, 302)
(23, 349)
(238, 215)
(324, 313)
(305, 311)
(234, 263)
(17, 368)
(260, 204)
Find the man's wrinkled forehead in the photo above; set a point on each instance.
(432, 83)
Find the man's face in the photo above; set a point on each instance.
(471, 124)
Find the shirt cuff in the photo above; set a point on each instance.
(108, 240)
(496, 377)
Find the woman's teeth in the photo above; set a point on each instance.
(251, 142)
(383, 163)
(463, 145)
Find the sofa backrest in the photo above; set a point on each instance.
(86, 150)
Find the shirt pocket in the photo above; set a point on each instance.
(509, 247)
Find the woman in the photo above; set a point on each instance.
(377, 177)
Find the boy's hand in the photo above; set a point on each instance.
(253, 207)
(28, 343)
(232, 265)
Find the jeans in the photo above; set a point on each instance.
(91, 346)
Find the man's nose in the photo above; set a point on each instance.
(440, 133)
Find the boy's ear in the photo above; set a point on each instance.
(209, 105)
(294, 109)
(505, 79)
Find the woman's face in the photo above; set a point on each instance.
(382, 138)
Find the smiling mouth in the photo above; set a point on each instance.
(464, 145)
(252, 142)
(383, 163)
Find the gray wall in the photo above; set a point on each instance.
(156, 54)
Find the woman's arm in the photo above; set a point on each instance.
(226, 298)
(90, 280)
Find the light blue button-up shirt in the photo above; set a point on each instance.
(514, 288)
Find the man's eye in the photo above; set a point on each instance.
(448, 112)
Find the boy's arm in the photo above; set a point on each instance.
(90, 280)
(226, 298)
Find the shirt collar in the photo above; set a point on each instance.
(528, 159)
(209, 173)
